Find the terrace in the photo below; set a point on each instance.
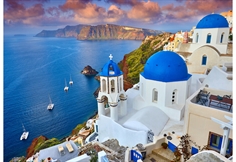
(215, 99)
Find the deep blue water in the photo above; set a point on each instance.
(35, 68)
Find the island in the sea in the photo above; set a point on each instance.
(101, 32)
(88, 70)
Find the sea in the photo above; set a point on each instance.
(36, 68)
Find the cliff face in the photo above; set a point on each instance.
(133, 63)
(108, 31)
(68, 31)
(37, 141)
(40, 143)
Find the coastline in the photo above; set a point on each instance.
(24, 157)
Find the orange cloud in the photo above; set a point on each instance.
(114, 14)
(73, 5)
(91, 13)
(145, 11)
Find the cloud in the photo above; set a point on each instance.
(114, 14)
(123, 2)
(87, 12)
(16, 11)
(145, 11)
(53, 11)
(193, 9)
(139, 12)
(209, 6)
(74, 5)
(90, 13)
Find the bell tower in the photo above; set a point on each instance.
(112, 94)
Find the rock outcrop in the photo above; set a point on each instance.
(108, 31)
(88, 70)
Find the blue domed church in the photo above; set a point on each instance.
(164, 83)
(210, 45)
(144, 111)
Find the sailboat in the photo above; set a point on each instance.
(66, 87)
(25, 134)
(50, 105)
(71, 82)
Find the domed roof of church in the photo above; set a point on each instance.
(110, 69)
(166, 66)
(213, 21)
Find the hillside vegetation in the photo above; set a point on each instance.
(133, 63)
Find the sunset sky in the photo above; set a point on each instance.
(33, 16)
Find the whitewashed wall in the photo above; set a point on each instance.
(109, 129)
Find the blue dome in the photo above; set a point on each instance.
(166, 66)
(213, 21)
(110, 69)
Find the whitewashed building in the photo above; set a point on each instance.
(142, 112)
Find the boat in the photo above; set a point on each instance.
(66, 87)
(50, 105)
(71, 82)
(25, 134)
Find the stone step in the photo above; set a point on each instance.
(165, 153)
(155, 158)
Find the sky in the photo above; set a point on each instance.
(33, 16)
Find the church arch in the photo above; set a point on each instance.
(112, 86)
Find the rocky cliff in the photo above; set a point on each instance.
(40, 143)
(133, 63)
(108, 31)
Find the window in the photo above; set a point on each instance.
(154, 95)
(112, 86)
(208, 38)
(216, 140)
(204, 60)
(221, 38)
(197, 38)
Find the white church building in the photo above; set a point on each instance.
(209, 46)
(140, 113)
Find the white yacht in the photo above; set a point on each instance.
(71, 82)
(25, 134)
(50, 105)
(66, 87)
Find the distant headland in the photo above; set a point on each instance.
(100, 32)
